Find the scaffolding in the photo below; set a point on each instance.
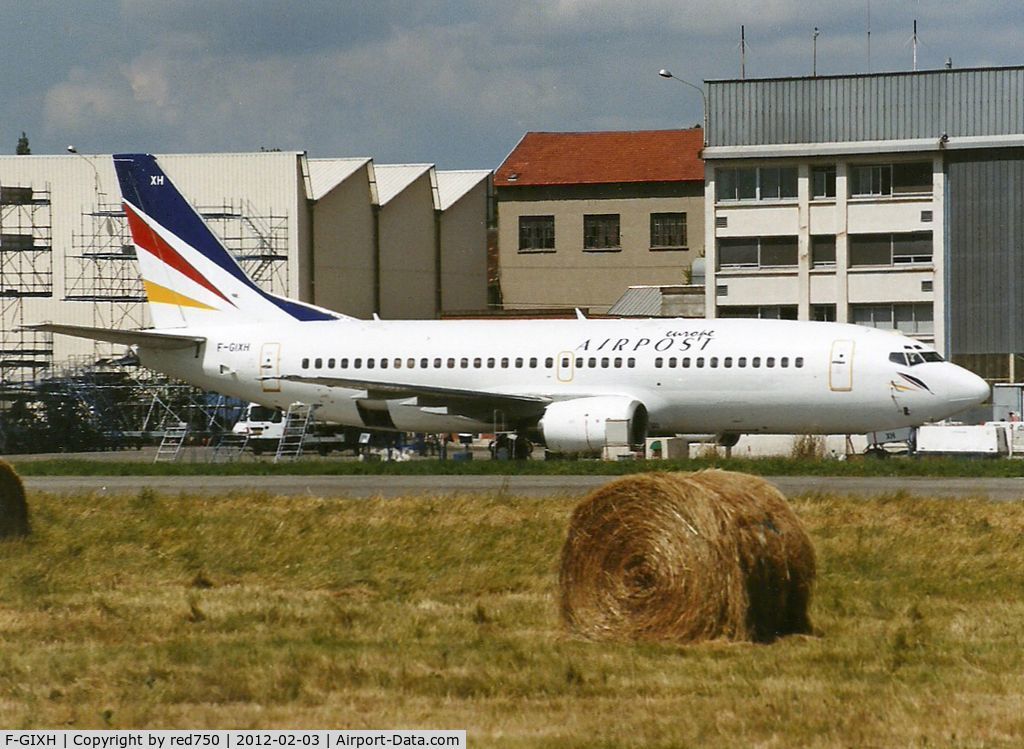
(85, 404)
(26, 271)
(102, 268)
(259, 242)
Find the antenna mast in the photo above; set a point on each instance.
(743, 52)
(869, 36)
(914, 44)
(814, 54)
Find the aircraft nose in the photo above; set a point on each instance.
(968, 389)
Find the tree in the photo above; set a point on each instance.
(23, 147)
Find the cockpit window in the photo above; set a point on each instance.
(910, 357)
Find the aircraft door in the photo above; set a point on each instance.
(270, 366)
(565, 366)
(840, 368)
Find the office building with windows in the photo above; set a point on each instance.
(891, 200)
(584, 216)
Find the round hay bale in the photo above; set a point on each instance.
(686, 557)
(13, 507)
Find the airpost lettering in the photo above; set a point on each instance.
(672, 340)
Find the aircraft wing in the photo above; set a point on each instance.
(146, 338)
(476, 404)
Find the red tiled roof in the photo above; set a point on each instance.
(603, 158)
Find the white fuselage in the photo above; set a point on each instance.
(693, 376)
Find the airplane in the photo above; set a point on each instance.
(560, 381)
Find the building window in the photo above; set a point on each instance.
(823, 312)
(668, 231)
(913, 248)
(764, 312)
(601, 231)
(823, 182)
(909, 178)
(757, 252)
(761, 183)
(823, 250)
(536, 233)
(909, 319)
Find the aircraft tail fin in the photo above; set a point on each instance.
(189, 275)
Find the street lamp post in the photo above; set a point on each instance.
(704, 99)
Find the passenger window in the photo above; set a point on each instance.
(784, 361)
(658, 362)
(504, 362)
(741, 362)
(685, 362)
(714, 362)
(727, 362)
(549, 362)
(769, 362)
(756, 362)
(592, 362)
(344, 363)
(579, 362)
(618, 362)
(451, 363)
(369, 363)
(700, 361)
(604, 362)
(631, 362)
(383, 363)
(319, 363)
(565, 362)
(464, 363)
(533, 362)
(477, 363)
(397, 363)
(305, 363)
(799, 362)
(357, 363)
(330, 363)
(490, 363)
(519, 362)
(671, 362)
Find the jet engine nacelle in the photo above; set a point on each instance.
(581, 425)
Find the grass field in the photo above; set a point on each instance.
(259, 612)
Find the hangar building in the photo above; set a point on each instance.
(347, 234)
(892, 200)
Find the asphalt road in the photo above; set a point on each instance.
(1010, 489)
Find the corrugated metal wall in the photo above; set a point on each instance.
(866, 107)
(986, 252)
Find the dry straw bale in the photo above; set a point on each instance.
(13, 507)
(686, 557)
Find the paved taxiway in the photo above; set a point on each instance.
(1005, 489)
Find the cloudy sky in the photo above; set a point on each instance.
(453, 83)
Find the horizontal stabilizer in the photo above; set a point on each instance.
(145, 338)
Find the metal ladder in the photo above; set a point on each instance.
(296, 424)
(171, 444)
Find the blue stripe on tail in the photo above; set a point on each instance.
(144, 184)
